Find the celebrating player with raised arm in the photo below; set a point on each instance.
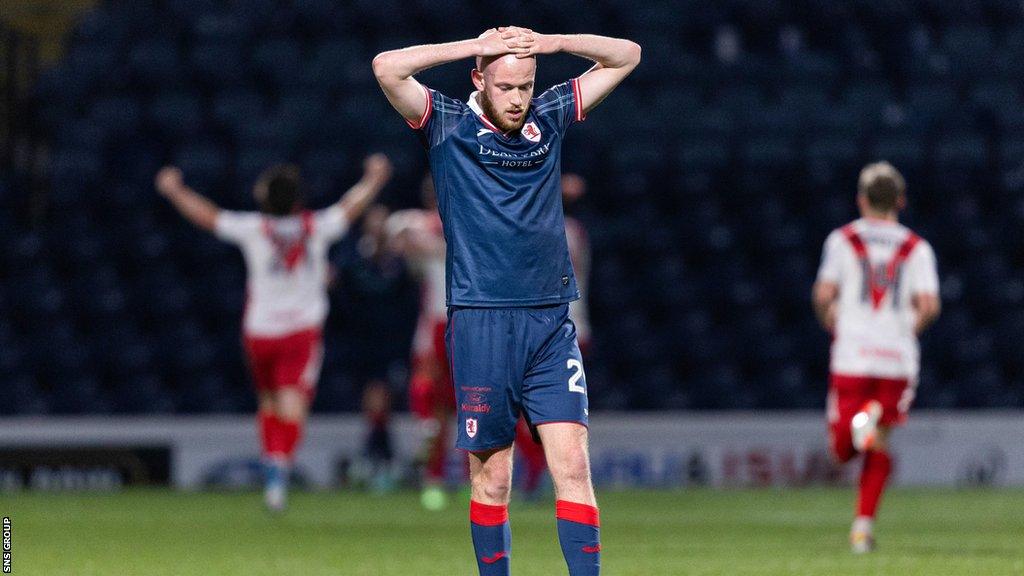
(416, 234)
(285, 249)
(877, 290)
(495, 159)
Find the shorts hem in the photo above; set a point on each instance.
(512, 303)
(486, 447)
(585, 424)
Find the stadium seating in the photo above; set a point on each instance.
(715, 173)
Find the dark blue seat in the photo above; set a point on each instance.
(970, 49)
(177, 114)
(905, 153)
(769, 154)
(234, 108)
(219, 64)
(775, 120)
(204, 165)
(80, 134)
(717, 388)
(986, 390)
(964, 151)
(202, 394)
(302, 108)
(155, 63)
(868, 96)
(334, 65)
(337, 392)
(78, 394)
(816, 68)
(93, 63)
(20, 396)
(275, 132)
(215, 25)
(73, 173)
(996, 97)
(278, 61)
(144, 394)
(250, 163)
(927, 105)
(120, 116)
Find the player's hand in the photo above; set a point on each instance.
(530, 43)
(504, 40)
(168, 180)
(377, 168)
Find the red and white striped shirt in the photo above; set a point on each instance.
(879, 266)
(286, 259)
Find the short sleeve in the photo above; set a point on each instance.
(236, 227)
(330, 223)
(440, 117)
(922, 270)
(831, 259)
(561, 103)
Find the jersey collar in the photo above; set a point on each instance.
(879, 221)
(475, 107)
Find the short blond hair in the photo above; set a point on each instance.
(883, 186)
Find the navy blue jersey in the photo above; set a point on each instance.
(500, 200)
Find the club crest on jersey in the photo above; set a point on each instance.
(471, 427)
(531, 132)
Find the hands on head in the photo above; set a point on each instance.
(518, 41)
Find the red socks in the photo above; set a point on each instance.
(877, 467)
(579, 533)
(266, 421)
(841, 441)
(288, 434)
(492, 538)
(278, 437)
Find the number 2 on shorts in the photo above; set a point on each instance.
(574, 364)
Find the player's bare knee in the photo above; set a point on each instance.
(496, 491)
(491, 476)
(291, 406)
(492, 486)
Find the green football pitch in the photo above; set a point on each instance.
(698, 532)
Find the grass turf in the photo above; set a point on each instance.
(696, 532)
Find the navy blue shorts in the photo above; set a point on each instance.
(507, 361)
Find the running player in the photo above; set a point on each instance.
(876, 292)
(285, 249)
(495, 159)
(530, 450)
(417, 235)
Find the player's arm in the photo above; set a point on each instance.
(928, 308)
(395, 69)
(924, 281)
(376, 173)
(192, 205)
(614, 59)
(825, 294)
(408, 236)
(824, 297)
